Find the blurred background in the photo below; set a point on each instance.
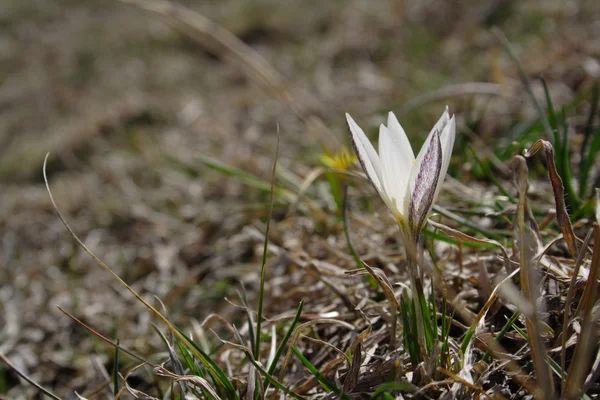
(137, 104)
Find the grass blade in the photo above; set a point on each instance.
(263, 268)
(284, 341)
(286, 337)
(388, 291)
(246, 178)
(588, 162)
(427, 324)
(105, 339)
(326, 383)
(115, 371)
(211, 366)
(584, 164)
(491, 177)
(188, 358)
(582, 355)
(346, 220)
(450, 240)
(529, 282)
(244, 300)
(562, 216)
(392, 386)
(552, 118)
(503, 331)
(177, 366)
(28, 379)
(561, 144)
(409, 324)
(194, 380)
(569, 300)
(525, 80)
(478, 322)
(469, 240)
(272, 380)
(457, 218)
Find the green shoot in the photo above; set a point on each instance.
(263, 268)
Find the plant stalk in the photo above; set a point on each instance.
(417, 297)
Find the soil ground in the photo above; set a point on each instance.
(127, 103)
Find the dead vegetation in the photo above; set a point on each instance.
(161, 122)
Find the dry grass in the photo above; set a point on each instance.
(130, 103)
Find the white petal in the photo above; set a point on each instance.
(400, 141)
(441, 123)
(369, 160)
(397, 158)
(394, 178)
(387, 167)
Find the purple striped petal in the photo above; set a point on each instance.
(425, 185)
(447, 133)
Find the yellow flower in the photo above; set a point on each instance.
(342, 160)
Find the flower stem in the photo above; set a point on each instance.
(418, 297)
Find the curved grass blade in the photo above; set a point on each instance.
(105, 339)
(381, 279)
(457, 218)
(465, 239)
(450, 240)
(562, 216)
(28, 379)
(213, 369)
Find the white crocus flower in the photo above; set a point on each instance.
(408, 186)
